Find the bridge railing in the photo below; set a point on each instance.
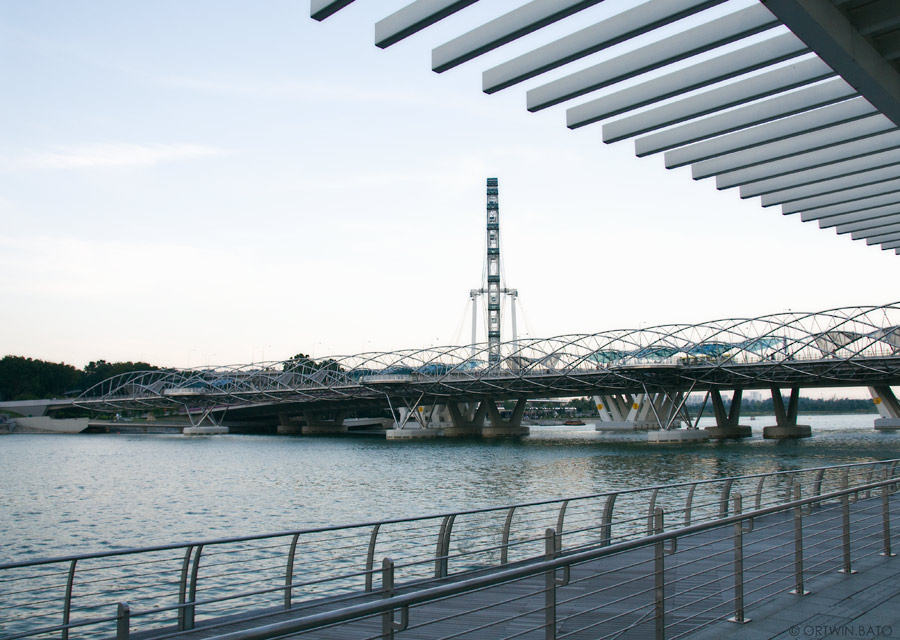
(173, 588)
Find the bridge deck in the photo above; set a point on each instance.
(613, 597)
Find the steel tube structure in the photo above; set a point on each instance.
(849, 346)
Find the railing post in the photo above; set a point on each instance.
(659, 573)
(845, 534)
(798, 545)
(550, 587)
(606, 524)
(442, 552)
(817, 486)
(189, 609)
(370, 558)
(67, 605)
(759, 488)
(688, 504)
(886, 518)
(123, 621)
(388, 626)
(504, 545)
(182, 587)
(289, 572)
(723, 499)
(651, 513)
(560, 520)
(739, 530)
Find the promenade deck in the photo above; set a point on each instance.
(613, 596)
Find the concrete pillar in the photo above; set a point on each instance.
(727, 424)
(786, 419)
(624, 412)
(288, 425)
(888, 408)
(466, 419)
(318, 424)
(500, 427)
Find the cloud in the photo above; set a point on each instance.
(108, 155)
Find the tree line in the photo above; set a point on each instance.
(31, 379)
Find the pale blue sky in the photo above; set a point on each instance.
(220, 182)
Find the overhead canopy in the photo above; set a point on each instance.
(794, 101)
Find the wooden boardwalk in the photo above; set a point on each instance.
(613, 597)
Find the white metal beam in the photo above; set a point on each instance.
(859, 216)
(703, 74)
(508, 27)
(614, 30)
(875, 212)
(870, 223)
(829, 116)
(799, 161)
(321, 9)
(413, 18)
(736, 93)
(819, 174)
(835, 185)
(848, 195)
(876, 233)
(727, 168)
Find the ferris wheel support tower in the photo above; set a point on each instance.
(493, 285)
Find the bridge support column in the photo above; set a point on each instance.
(500, 427)
(786, 426)
(287, 425)
(207, 425)
(317, 423)
(624, 412)
(425, 423)
(727, 423)
(888, 408)
(466, 419)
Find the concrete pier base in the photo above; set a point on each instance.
(787, 432)
(289, 429)
(322, 429)
(501, 431)
(729, 433)
(677, 435)
(410, 434)
(461, 432)
(626, 426)
(887, 424)
(205, 431)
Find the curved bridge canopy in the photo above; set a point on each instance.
(852, 346)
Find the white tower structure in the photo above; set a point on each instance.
(492, 286)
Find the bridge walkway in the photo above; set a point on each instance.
(614, 596)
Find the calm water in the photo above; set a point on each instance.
(69, 494)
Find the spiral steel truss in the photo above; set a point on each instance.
(850, 346)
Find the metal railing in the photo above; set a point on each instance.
(169, 590)
(536, 600)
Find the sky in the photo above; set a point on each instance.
(219, 182)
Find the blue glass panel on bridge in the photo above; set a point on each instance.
(655, 353)
(605, 357)
(758, 345)
(437, 369)
(710, 349)
(470, 365)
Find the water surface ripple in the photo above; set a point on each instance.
(72, 494)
